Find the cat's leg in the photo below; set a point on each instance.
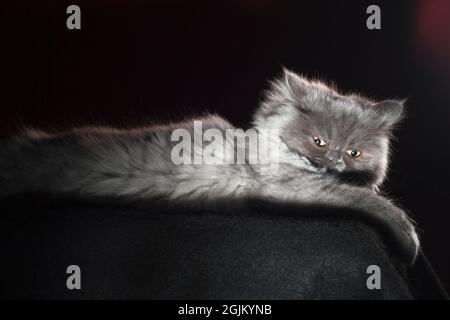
(325, 191)
(379, 210)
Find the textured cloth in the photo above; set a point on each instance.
(265, 252)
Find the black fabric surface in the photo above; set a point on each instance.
(272, 252)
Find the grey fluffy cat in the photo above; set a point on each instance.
(332, 149)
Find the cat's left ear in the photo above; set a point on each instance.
(390, 112)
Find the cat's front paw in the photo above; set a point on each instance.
(409, 239)
(416, 240)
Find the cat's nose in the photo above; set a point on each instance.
(333, 158)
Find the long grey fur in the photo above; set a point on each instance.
(137, 164)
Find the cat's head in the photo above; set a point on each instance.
(347, 135)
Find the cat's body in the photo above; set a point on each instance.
(316, 126)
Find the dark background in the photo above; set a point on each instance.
(135, 62)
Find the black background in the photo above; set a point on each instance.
(135, 62)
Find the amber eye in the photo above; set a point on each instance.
(320, 142)
(354, 153)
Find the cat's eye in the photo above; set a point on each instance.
(320, 142)
(354, 153)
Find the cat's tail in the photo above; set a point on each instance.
(19, 163)
(13, 172)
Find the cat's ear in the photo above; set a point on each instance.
(284, 95)
(281, 100)
(292, 85)
(390, 112)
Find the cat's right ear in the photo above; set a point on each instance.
(292, 86)
(288, 88)
(284, 95)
